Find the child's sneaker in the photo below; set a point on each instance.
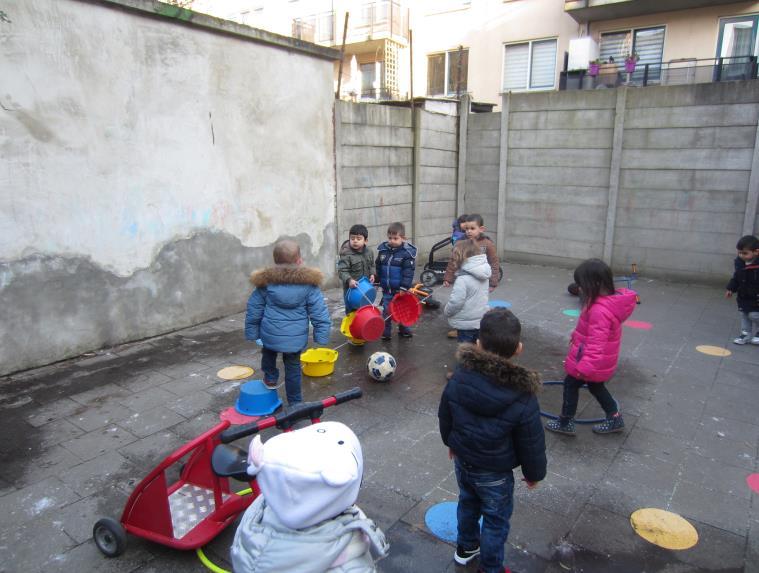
(464, 556)
(405, 333)
(610, 425)
(564, 426)
(744, 338)
(755, 339)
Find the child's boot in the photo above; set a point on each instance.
(610, 426)
(563, 425)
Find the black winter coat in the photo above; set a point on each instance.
(745, 283)
(489, 415)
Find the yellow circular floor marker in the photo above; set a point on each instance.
(235, 372)
(664, 528)
(713, 350)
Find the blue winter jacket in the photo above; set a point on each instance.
(395, 266)
(489, 415)
(286, 298)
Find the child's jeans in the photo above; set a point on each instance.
(292, 372)
(490, 495)
(750, 323)
(598, 389)
(387, 296)
(468, 335)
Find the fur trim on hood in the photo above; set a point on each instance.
(498, 369)
(286, 274)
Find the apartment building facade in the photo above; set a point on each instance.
(488, 47)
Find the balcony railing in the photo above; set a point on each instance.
(685, 71)
(377, 20)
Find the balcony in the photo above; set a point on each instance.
(674, 72)
(317, 28)
(594, 10)
(384, 19)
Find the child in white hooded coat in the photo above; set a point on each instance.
(305, 519)
(468, 302)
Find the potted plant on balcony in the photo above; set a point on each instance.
(594, 67)
(630, 62)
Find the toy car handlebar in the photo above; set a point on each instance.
(289, 416)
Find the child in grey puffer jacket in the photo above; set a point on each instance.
(469, 298)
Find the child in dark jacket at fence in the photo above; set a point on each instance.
(396, 260)
(594, 347)
(286, 298)
(745, 283)
(490, 420)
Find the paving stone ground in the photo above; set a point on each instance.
(78, 435)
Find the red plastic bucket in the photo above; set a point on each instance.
(405, 309)
(368, 323)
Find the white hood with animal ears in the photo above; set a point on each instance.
(308, 475)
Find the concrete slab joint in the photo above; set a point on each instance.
(614, 172)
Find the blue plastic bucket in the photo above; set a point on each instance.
(256, 399)
(362, 295)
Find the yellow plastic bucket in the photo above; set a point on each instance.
(345, 329)
(318, 361)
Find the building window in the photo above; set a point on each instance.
(371, 80)
(647, 43)
(447, 72)
(529, 66)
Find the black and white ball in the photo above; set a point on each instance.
(381, 366)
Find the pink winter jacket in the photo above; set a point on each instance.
(594, 349)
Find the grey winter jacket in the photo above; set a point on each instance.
(469, 296)
(347, 543)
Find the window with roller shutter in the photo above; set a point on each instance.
(648, 43)
(529, 65)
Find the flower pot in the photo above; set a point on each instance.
(630, 66)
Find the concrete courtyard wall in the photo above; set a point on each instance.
(149, 161)
(664, 177)
(393, 166)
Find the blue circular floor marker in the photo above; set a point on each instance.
(499, 304)
(440, 519)
(571, 312)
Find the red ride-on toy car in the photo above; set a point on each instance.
(196, 507)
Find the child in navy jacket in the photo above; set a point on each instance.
(395, 264)
(745, 283)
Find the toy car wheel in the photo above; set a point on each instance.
(110, 537)
(428, 278)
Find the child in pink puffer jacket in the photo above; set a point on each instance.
(594, 348)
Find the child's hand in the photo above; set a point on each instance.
(491, 289)
(451, 455)
(530, 484)
(371, 278)
(446, 284)
(352, 283)
(728, 293)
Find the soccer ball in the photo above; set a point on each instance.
(381, 366)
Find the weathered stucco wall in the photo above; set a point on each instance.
(146, 167)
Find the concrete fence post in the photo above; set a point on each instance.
(752, 196)
(339, 216)
(416, 122)
(464, 105)
(503, 170)
(614, 172)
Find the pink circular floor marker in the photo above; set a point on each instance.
(639, 324)
(235, 418)
(753, 482)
